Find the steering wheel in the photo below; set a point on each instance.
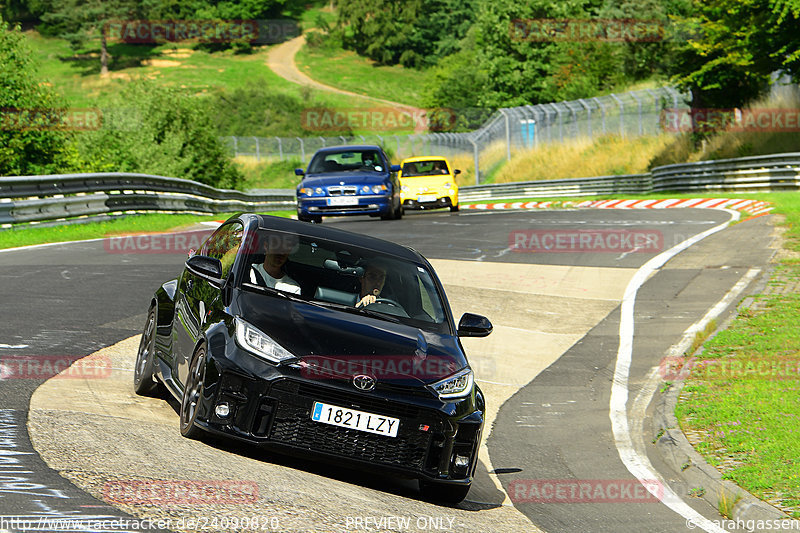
(387, 301)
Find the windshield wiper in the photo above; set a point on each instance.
(355, 310)
(274, 292)
(377, 314)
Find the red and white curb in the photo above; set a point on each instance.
(752, 207)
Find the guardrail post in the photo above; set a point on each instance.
(280, 148)
(5, 212)
(258, 155)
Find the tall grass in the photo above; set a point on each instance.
(689, 147)
(605, 156)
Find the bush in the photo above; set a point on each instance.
(27, 146)
(158, 130)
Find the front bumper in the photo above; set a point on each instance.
(273, 408)
(363, 205)
(445, 201)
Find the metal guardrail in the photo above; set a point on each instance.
(746, 174)
(599, 186)
(66, 196)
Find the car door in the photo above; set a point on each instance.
(196, 296)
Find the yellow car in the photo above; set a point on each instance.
(428, 182)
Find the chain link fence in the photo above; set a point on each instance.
(506, 131)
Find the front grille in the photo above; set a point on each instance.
(292, 425)
(342, 190)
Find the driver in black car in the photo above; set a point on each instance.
(371, 284)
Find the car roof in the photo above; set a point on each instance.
(349, 147)
(424, 158)
(335, 234)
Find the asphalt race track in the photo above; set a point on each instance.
(547, 371)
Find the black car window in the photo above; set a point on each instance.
(224, 244)
(333, 273)
(433, 167)
(346, 160)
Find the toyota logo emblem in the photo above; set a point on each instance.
(364, 383)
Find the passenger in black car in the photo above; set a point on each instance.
(271, 273)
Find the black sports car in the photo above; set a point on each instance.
(314, 340)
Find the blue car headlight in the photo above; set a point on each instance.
(457, 385)
(259, 343)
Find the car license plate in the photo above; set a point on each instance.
(426, 198)
(343, 200)
(350, 418)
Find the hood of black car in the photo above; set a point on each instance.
(335, 344)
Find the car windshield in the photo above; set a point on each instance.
(349, 160)
(339, 275)
(434, 167)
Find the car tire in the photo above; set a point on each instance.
(144, 382)
(400, 212)
(453, 208)
(443, 492)
(192, 394)
(390, 213)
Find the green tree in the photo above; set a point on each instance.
(158, 130)
(414, 33)
(735, 46)
(28, 145)
(81, 21)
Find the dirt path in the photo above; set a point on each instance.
(281, 60)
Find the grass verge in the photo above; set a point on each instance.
(743, 416)
(347, 70)
(146, 223)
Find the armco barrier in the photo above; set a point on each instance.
(65, 196)
(746, 174)
(41, 198)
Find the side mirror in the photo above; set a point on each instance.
(205, 267)
(474, 326)
(395, 168)
(456, 171)
(299, 172)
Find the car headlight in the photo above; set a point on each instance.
(448, 185)
(377, 189)
(259, 343)
(456, 386)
